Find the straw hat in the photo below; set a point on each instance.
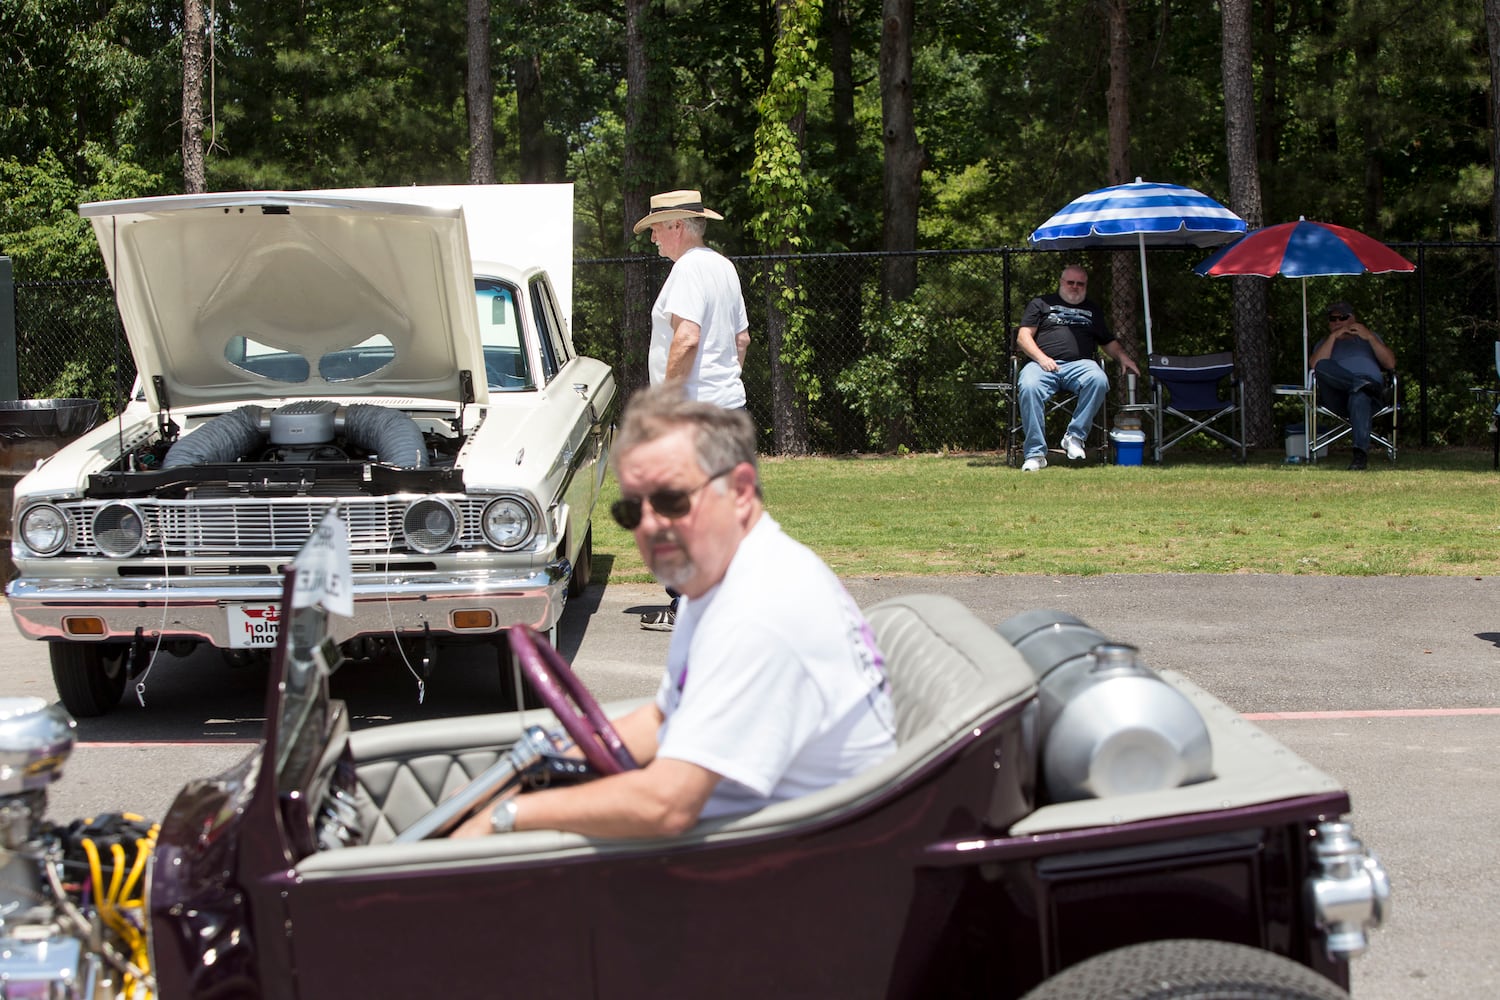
(675, 205)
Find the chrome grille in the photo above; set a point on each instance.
(272, 527)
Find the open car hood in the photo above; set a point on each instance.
(197, 277)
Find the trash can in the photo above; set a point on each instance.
(31, 430)
(1130, 446)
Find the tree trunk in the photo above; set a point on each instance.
(1252, 342)
(845, 138)
(1125, 269)
(788, 406)
(1367, 86)
(1492, 29)
(479, 95)
(531, 122)
(644, 142)
(904, 158)
(194, 177)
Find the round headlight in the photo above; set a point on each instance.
(44, 529)
(507, 524)
(119, 530)
(431, 525)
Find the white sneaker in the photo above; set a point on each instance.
(1073, 446)
(1034, 464)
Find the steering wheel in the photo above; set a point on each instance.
(562, 692)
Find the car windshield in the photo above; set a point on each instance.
(505, 366)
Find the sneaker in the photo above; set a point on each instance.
(1033, 464)
(660, 620)
(1361, 460)
(1073, 446)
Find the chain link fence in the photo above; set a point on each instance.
(888, 377)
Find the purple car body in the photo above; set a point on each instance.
(952, 871)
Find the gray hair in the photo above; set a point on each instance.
(722, 438)
(697, 225)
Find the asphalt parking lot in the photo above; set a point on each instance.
(1392, 685)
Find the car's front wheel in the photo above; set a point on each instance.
(583, 567)
(1188, 970)
(90, 677)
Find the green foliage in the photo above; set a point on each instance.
(39, 222)
(921, 359)
(778, 178)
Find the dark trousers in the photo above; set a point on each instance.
(1349, 395)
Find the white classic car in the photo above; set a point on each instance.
(400, 355)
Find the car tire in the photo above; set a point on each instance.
(1183, 969)
(583, 568)
(90, 677)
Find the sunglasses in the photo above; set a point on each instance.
(1340, 317)
(670, 504)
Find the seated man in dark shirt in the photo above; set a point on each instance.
(1060, 334)
(1350, 365)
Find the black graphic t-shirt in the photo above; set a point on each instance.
(1066, 332)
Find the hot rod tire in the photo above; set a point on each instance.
(1188, 970)
(90, 678)
(583, 569)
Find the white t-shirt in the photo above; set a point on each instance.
(704, 288)
(774, 681)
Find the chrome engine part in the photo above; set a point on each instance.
(1109, 725)
(1349, 892)
(49, 946)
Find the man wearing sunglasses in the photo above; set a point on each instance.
(1350, 365)
(774, 686)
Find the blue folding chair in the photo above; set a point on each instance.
(1190, 397)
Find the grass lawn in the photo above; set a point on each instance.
(1432, 513)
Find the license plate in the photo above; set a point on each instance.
(253, 626)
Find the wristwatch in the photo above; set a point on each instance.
(503, 816)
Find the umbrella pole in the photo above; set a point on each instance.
(1305, 374)
(1145, 293)
(1309, 411)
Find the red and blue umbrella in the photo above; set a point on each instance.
(1141, 214)
(1304, 249)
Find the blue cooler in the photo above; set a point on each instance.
(1130, 446)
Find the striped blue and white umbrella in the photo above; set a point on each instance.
(1141, 214)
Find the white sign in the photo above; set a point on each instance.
(324, 573)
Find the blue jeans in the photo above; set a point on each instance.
(1085, 379)
(1349, 395)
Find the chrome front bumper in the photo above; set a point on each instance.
(403, 604)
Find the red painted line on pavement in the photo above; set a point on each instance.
(1385, 713)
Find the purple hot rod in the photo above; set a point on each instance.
(1059, 821)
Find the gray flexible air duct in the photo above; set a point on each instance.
(226, 438)
(392, 435)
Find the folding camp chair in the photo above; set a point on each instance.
(1490, 396)
(1331, 426)
(1189, 397)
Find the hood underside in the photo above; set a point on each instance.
(295, 294)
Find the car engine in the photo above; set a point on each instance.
(72, 899)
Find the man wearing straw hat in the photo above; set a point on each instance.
(699, 327)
